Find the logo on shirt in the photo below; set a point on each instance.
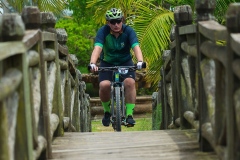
(122, 44)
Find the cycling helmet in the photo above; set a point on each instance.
(114, 13)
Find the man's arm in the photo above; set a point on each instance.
(138, 53)
(95, 55)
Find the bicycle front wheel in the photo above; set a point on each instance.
(118, 109)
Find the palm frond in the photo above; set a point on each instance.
(221, 9)
(55, 6)
(153, 27)
(175, 3)
(101, 6)
(153, 72)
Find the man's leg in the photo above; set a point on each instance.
(130, 99)
(104, 94)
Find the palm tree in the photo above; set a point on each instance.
(152, 20)
(55, 6)
(151, 23)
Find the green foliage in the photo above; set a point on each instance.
(55, 6)
(83, 69)
(91, 90)
(80, 12)
(175, 3)
(145, 91)
(157, 117)
(221, 9)
(80, 38)
(153, 25)
(127, 6)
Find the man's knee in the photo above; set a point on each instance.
(129, 83)
(104, 85)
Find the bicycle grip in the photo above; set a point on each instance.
(144, 65)
(89, 67)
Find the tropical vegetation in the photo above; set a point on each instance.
(80, 38)
(151, 19)
(55, 6)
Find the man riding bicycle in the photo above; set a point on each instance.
(113, 44)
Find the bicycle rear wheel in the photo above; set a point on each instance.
(118, 109)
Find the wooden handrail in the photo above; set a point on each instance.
(9, 82)
(40, 74)
(201, 79)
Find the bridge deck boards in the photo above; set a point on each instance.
(138, 145)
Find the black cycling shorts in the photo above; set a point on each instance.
(108, 75)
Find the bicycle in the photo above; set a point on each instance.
(118, 112)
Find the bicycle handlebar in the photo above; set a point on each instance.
(131, 68)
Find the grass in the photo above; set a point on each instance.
(83, 69)
(142, 124)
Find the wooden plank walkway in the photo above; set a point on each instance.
(136, 145)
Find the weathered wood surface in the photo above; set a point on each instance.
(140, 145)
(213, 30)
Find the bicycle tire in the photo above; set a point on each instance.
(118, 109)
(112, 108)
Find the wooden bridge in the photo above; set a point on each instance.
(138, 145)
(46, 114)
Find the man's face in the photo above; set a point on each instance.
(115, 25)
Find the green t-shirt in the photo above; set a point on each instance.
(116, 50)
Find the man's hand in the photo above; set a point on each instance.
(139, 65)
(93, 67)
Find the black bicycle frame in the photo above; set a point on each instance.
(116, 83)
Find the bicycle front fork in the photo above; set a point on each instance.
(123, 108)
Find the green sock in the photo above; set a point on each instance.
(129, 108)
(106, 106)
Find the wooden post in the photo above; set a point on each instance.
(233, 139)
(83, 107)
(45, 107)
(32, 19)
(23, 145)
(162, 126)
(47, 25)
(25, 112)
(4, 150)
(204, 10)
(182, 16)
(155, 125)
(63, 57)
(67, 112)
(164, 104)
(173, 78)
(77, 103)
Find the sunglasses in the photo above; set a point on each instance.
(113, 22)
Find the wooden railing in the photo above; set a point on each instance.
(41, 91)
(200, 78)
